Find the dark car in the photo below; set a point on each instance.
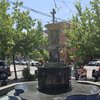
(4, 68)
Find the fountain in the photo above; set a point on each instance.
(54, 77)
(54, 81)
(29, 91)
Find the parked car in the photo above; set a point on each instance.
(4, 68)
(91, 63)
(97, 63)
(94, 62)
(34, 63)
(23, 62)
(17, 62)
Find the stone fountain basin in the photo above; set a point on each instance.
(30, 91)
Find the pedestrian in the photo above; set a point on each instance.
(82, 72)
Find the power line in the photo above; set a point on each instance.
(56, 5)
(36, 11)
(66, 5)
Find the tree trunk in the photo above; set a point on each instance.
(14, 67)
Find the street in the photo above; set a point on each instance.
(19, 69)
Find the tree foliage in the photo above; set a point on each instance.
(6, 24)
(84, 32)
(19, 33)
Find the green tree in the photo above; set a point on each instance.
(6, 23)
(84, 32)
(30, 34)
(18, 32)
(41, 41)
(23, 25)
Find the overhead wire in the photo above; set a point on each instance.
(36, 11)
(71, 11)
(55, 4)
(66, 5)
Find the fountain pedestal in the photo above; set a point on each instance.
(54, 80)
(53, 77)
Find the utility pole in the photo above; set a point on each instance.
(53, 15)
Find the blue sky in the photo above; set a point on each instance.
(64, 8)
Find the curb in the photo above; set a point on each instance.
(89, 82)
(5, 89)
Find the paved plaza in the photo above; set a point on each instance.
(32, 92)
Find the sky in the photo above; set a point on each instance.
(64, 9)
